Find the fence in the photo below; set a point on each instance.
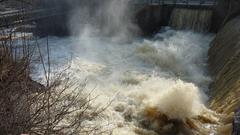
(177, 2)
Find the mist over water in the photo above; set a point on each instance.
(167, 73)
(106, 18)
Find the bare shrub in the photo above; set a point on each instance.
(58, 107)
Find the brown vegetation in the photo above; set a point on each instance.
(57, 107)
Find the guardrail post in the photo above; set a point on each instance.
(6, 22)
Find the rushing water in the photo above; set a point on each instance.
(193, 19)
(167, 72)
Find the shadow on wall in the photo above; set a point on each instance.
(151, 18)
(224, 12)
(56, 25)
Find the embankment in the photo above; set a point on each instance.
(224, 64)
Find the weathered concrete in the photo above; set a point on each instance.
(224, 64)
(55, 25)
(151, 18)
(223, 12)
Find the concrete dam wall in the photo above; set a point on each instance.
(151, 18)
(224, 64)
(191, 19)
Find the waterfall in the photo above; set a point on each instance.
(151, 84)
(192, 19)
(143, 78)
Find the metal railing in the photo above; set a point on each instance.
(177, 2)
(20, 16)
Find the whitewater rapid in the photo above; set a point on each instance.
(167, 72)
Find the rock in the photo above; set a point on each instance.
(120, 107)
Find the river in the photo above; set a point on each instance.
(167, 72)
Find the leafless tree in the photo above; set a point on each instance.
(58, 107)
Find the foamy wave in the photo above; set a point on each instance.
(181, 54)
(175, 98)
(181, 101)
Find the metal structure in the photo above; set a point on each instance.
(177, 2)
(21, 16)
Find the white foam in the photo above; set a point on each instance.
(119, 74)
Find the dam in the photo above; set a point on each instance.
(16, 16)
(119, 67)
